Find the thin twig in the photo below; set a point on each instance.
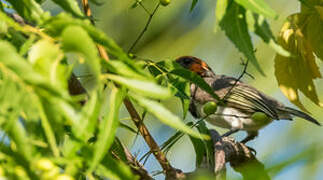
(147, 136)
(237, 80)
(88, 13)
(151, 15)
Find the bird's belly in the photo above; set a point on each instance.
(227, 117)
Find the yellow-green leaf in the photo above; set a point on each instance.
(143, 87)
(297, 72)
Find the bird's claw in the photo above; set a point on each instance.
(252, 150)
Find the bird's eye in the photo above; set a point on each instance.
(187, 61)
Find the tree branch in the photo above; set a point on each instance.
(241, 159)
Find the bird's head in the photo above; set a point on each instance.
(196, 65)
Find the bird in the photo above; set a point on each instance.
(240, 102)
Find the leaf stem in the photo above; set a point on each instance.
(151, 15)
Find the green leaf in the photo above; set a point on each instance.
(107, 128)
(49, 133)
(165, 116)
(57, 24)
(116, 170)
(196, 79)
(194, 2)
(235, 26)
(127, 69)
(183, 91)
(45, 57)
(143, 87)
(85, 126)
(203, 148)
(27, 44)
(260, 26)
(19, 136)
(70, 6)
(258, 6)
(28, 9)
(71, 38)
(297, 72)
(10, 58)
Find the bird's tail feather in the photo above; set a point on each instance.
(301, 115)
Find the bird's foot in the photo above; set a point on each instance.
(252, 150)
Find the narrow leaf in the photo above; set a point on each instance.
(108, 128)
(71, 38)
(196, 79)
(165, 116)
(194, 2)
(235, 26)
(143, 87)
(258, 6)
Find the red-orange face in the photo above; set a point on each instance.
(194, 64)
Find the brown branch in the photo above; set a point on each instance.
(241, 159)
(160, 156)
(171, 173)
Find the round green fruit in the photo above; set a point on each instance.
(260, 117)
(44, 164)
(210, 108)
(164, 2)
(64, 177)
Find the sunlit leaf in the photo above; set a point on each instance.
(127, 69)
(57, 24)
(71, 38)
(313, 30)
(297, 72)
(144, 87)
(258, 6)
(166, 117)
(221, 7)
(45, 58)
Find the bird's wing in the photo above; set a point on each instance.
(245, 97)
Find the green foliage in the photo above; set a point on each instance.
(51, 133)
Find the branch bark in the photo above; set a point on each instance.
(240, 157)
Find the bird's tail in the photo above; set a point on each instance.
(300, 114)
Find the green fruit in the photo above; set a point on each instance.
(44, 164)
(64, 177)
(164, 2)
(210, 108)
(260, 117)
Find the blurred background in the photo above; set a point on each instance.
(289, 150)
